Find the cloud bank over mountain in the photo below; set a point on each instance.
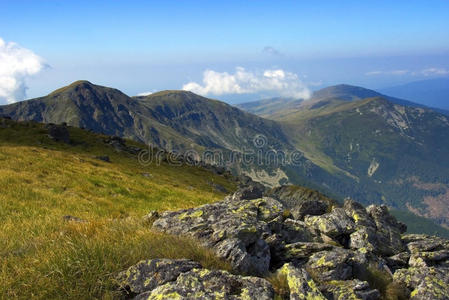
(434, 71)
(246, 82)
(16, 65)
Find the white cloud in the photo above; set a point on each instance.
(16, 64)
(391, 72)
(423, 72)
(434, 71)
(271, 51)
(145, 94)
(245, 82)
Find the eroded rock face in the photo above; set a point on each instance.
(249, 192)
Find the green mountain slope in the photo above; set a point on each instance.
(396, 154)
(171, 119)
(70, 222)
(326, 98)
(174, 120)
(211, 123)
(376, 148)
(267, 107)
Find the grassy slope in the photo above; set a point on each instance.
(42, 256)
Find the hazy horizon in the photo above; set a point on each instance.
(235, 52)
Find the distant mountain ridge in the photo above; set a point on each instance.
(375, 149)
(433, 92)
(275, 108)
(171, 119)
(266, 107)
(392, 150)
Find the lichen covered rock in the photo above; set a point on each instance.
(331, 265)
(302, 201)
(235, 229)
(149, 274)
(349, 289)
(300, 284)
(425, 283)
(212, 284)
(388, 230)
(301, 251)
(324, 251)
(336, 224)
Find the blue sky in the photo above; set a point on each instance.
(144, 46)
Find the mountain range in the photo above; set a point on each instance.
(351, 141)
(433, 92)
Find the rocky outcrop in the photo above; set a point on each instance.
(331, 252)
(184, 279)
(148, 275)
(58, 133)
(302, 201)
(120, 145)
(425, 283)
(426, 274)
(235, 229)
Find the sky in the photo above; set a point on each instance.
(229, 50)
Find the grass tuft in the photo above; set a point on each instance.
(280, 285)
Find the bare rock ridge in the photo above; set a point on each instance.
(323, 250)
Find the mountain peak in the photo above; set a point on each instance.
(79, 84)
(172, 92)
(345, 92)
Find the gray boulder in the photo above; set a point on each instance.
(330, 265)
(234, 229)
(58, 133)
(300, 251)
(425, 283)
(212, 284)
(388, 230)
(350, 289)
(149, 274)
(249, 192)
(336, 224)
(302, 201)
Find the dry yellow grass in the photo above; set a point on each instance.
(42, 256)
